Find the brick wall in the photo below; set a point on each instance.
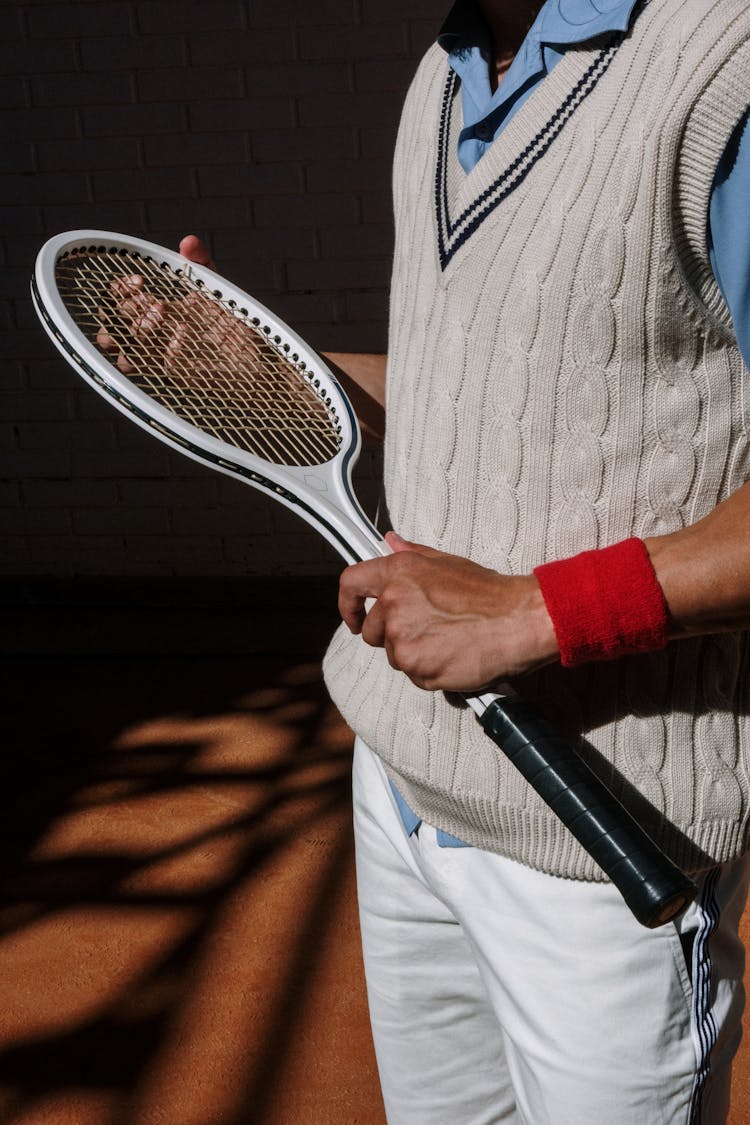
(266, 125)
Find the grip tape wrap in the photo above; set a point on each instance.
(653, 887)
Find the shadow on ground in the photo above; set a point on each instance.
(178, 934)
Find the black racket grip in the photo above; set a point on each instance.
(653, 888)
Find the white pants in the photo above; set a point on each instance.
(499, 994)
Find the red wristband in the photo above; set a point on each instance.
(605, 603)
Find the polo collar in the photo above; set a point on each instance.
(562, 22)
(577, 74)
(463, 28)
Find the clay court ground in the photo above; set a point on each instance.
(178, 932)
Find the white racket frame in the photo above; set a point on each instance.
(322, 495)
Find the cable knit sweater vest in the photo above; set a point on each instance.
(563, 374)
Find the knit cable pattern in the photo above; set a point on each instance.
(564, 379)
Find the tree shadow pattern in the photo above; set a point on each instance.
(176, 892)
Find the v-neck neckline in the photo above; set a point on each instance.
(513, 154)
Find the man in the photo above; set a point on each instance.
(568, 434)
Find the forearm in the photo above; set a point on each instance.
(362, 375)
(704, 570)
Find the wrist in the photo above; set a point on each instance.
(605, 604)
(542, 628)
(519, 635)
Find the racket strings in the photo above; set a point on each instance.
(194, 355)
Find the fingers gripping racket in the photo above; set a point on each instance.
(212, 373)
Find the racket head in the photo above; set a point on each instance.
(250, 446)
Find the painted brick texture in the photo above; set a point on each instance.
(266, 126)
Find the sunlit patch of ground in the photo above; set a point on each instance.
(178, 935)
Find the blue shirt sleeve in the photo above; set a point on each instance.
(729, 231)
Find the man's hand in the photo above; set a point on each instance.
(445, 621)
(190, 337)
(144, 316)
(195, 250)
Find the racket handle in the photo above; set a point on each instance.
(653, 888)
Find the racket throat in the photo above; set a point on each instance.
(328, 502)
(355, 541)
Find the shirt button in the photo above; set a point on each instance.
(483, 131)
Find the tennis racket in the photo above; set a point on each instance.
(206, 369)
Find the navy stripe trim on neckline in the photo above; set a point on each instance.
(453, 234)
